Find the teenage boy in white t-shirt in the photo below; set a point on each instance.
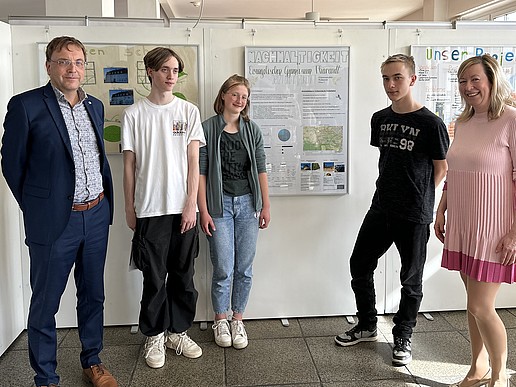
(161, 136)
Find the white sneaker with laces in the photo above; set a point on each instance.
(183, 345)
(154, 351)
(238, 334)
(222, 333)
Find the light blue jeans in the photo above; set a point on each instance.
(232, 250)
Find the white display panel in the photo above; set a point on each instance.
(12, 318)
(302, 261)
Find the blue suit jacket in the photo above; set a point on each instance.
(37, 161)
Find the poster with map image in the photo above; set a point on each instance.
(300, 101)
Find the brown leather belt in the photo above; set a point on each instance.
(88, 205)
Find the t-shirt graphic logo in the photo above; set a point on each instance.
(398, 136)
(179, 128)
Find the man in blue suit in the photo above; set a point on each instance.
(54, 162)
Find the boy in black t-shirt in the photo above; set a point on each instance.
(413, 143)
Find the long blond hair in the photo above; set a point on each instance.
(501, 91)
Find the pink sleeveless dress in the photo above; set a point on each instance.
(481, 196)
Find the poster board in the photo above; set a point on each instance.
(115, 74)
(436, 67)
(300, 101)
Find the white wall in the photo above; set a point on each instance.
(123, 288)
(302, 263)
(12, 320)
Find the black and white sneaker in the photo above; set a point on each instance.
(402, 351)
(356, 335)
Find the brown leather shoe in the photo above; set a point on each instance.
(99, 376)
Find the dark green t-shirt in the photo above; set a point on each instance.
(235, 165)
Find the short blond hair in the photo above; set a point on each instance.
(407, 60)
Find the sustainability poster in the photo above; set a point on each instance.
(299, 98)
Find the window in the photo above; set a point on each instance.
(506, 17)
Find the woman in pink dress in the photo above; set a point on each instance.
(479, 202)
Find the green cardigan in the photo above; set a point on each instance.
(210, 162)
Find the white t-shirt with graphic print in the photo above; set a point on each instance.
(159, 136)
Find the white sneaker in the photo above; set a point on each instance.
(222, 333)
(238, 334)
(154, 351)
(183, 345)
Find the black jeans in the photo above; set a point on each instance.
(166, 258)
(377, 233)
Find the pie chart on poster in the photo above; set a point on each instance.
(284, 135)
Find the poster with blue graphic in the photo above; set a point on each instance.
(437, 86)
(300, 101)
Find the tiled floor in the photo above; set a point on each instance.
(302, 354)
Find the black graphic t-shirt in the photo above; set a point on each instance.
(235, 165)
(408, 145)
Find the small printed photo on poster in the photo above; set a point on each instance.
(340, 168)
(284, 135)
(121, 97)
(307, 166)
(329, 168)
(116, 75)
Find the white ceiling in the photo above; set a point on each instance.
(370, 10)
(364, 10)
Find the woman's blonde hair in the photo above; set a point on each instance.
(501, 91)
(234, 80)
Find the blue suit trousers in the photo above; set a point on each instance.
(83, 243)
